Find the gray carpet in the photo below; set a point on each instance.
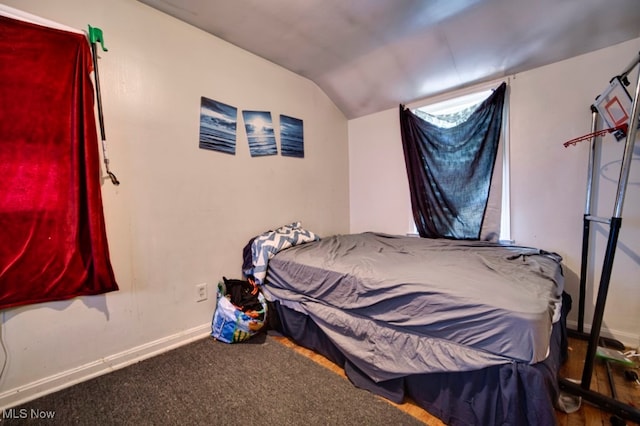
(259, 382)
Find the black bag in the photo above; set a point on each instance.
(243, 294)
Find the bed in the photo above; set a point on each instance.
(472, 331)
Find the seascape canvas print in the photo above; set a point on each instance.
(291, 137)
(217, 126)
(259, 127)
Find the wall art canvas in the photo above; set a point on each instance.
(259, 127)
(217, 126)
(291, 137)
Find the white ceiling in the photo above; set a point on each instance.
(372, 55)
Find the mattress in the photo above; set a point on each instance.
(397, 305)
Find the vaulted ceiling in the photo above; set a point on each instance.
(371, 55)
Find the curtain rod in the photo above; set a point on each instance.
(461, 91)
(20, 15)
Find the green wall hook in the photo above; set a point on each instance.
(95, 35)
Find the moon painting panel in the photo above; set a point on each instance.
(217, 126)
(259, 127)
(291, 137)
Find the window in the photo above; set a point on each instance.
(53, 235)
(454, 110)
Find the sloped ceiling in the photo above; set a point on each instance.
(371, 55)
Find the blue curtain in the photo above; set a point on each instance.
(450, 169)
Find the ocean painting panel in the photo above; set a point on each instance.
(259, 127)
(291, 137)
(217, 126)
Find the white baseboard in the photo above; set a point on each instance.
(56, 382)
(628, 339)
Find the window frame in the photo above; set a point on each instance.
(458, 100)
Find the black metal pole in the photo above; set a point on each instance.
(96, 75)
(583, 271)
(607, 267)
(612, 383)
(586, 222)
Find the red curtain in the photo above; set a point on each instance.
(53, 242)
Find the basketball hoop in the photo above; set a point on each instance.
(619, 129)
(614, 106)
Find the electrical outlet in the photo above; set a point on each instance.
(201, 292)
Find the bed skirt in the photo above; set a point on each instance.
(508, 394)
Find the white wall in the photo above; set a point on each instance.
(548, 106)
(181, 215)
(379, 189)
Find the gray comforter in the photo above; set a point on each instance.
(400, 305)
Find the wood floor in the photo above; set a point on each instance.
(628, 391)
(587, 415)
